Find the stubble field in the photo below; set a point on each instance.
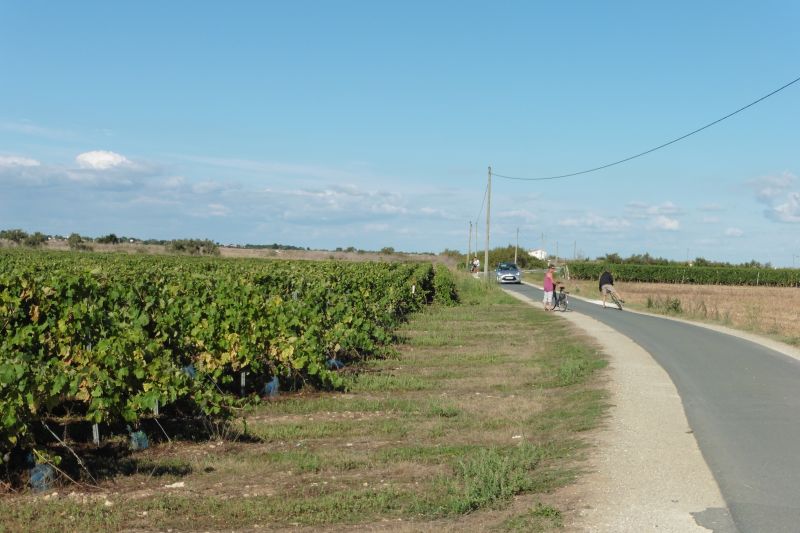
(770, 311)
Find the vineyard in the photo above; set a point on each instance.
(701, 275)
(111, 340)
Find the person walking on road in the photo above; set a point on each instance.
(606, 285)
(549, 286)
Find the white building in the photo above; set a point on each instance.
(538, 254)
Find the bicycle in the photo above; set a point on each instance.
(561, 301)
(615, 298)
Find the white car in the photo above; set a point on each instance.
(508, 273)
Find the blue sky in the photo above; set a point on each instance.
(372, 124)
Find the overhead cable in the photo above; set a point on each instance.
(485, 192)
(751, 104)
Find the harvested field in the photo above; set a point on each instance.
(770, 311)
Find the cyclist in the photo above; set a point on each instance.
(606, 285)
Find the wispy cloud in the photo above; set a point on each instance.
(664, 223)
(11, 161)
(661, 216)
(781, 195)
(645, 210)
(269, 169)
(594, 221)
(733, 232)
(26, 127)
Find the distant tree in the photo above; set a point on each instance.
(193, 247)
(387, 250)
(505, 254)
(35, 240)
(350, 249)
(108, 239)
(752, 264)
(13, 235)
(76, 242)
(613, 258)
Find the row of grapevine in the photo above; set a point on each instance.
(117, 336)
(701, 275)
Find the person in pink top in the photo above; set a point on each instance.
(549, 286)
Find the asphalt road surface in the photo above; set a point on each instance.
(742, 401)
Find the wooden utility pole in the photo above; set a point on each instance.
(488, 211)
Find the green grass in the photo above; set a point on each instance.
(271, 432)
(486, 478)
(540, 518)
(336, 404)
(385, 382)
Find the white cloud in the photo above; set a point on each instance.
(665, 223)
(16, 161)
(102, 160)
(788, 210)
(644, 210)
(596, 222)
(768, 187)
(781, 195)
(733, 232)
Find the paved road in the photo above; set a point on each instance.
(742, 401)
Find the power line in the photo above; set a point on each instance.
(751, 104)
(485, 192)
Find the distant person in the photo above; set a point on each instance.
(549, 285)
(606, 285)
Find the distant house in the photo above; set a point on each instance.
(538, 254)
